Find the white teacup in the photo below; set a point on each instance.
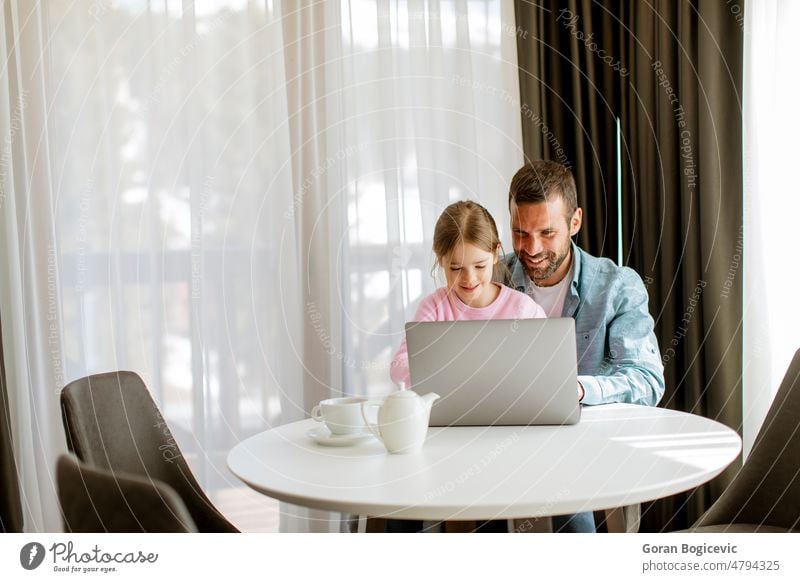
(341, 415)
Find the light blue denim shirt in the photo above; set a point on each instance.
(618, 356)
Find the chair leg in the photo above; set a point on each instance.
(362, 524)
(633, 517)
(352, 523)
(623, 519)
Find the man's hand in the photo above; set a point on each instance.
(581, 392)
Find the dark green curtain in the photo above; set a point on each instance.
(10, 506)
(568, 108)
(671, 71)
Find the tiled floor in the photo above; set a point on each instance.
(248, 510)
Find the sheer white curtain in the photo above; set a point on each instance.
(401, 107)
(146, 222)
(771, 203)
(430, 115)
(235, 200)
(29, 289)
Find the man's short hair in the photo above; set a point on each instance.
(539, 181)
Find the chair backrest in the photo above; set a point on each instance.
(93, 500)
(766, 491)
(113, 423)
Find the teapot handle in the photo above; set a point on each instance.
(374, 429)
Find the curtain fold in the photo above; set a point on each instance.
(11, 519)
(32, 323)
(10, 501)
(672, 73)
(311, 54)
(694, 170)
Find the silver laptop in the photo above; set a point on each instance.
(496, 372)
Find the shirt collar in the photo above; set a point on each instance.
(576, 267)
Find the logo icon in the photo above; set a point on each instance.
(31, 555)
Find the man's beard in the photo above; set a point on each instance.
(547, 268)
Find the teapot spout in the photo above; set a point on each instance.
(429, 399)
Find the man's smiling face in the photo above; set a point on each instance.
(541, 236)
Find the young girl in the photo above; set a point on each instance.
(467, 247)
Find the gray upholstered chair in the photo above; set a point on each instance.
(97, 501)
(765, 494)
(112, 423)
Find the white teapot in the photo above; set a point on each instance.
(402, 420)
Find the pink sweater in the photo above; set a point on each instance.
(443, 306)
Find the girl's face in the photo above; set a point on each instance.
(468, 270)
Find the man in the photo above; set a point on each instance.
(618, 356)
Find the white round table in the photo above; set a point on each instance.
(617, 455)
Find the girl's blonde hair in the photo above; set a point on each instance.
(468, 222)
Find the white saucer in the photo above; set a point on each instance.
(322, 436)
